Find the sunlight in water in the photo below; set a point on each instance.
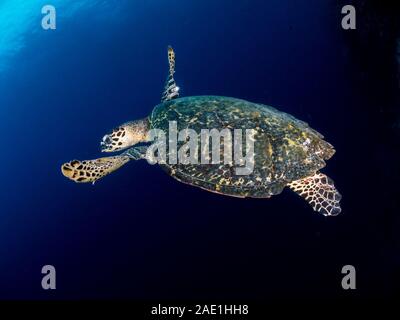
(21, 18)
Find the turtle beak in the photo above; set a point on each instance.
(106, 144)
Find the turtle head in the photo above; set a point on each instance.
(125, 136)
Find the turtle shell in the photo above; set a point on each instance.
(285, 148)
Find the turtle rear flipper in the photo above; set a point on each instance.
(92, 170)
(171, 90)
(320, 192)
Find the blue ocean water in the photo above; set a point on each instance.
(139, 233)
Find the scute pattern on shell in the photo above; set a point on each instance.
(286, 149)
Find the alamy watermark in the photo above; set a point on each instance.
(195, 147)
(49, 20)
(349, 20)
(349, 280)
(49, 280)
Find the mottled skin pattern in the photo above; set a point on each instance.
(92, 170)
(286, 149)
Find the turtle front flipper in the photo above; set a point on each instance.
(320, 192)
(92, 170)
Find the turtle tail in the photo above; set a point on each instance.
(325, 150)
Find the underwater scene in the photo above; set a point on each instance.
(190, 151)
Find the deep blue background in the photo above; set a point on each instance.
(139, 233)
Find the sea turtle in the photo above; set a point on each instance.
(287, 152)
